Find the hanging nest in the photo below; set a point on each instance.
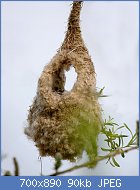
(60, 121)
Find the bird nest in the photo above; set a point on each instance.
(66, 122)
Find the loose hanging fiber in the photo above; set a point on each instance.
(60, 121)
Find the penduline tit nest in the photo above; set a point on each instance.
(60, 121)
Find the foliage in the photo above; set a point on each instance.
(115, 139)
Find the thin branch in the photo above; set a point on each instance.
(16, 172)
(97, 159)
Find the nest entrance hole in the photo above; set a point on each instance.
(64, 77)
(71, 77)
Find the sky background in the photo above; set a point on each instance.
(31, 34)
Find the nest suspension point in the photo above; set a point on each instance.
(65, 122)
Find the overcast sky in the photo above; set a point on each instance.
(31, 34)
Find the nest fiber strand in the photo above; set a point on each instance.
(66, 122)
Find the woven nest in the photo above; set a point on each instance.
(66, 122)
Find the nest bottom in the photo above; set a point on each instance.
(68, 131)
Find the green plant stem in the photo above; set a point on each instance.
(97, 159)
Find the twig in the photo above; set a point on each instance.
(16, 172)
(97, 159)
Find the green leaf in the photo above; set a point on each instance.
(110, 124)
(108, 141)
(128, 129)
(115, 162)
(108, 160)
(123, 135)
(117, 145)
(122, 141)
(122, 153)
(119, 128)
(101, 91)
(111, 163)
(115, 124)
(132, 140)
(105, 149)
(119, 141)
